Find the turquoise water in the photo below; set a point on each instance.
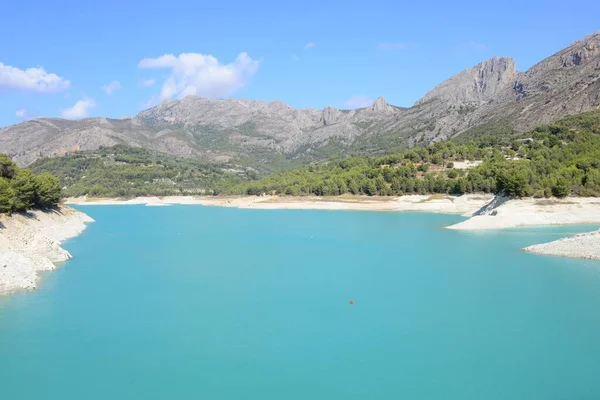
(190, 302)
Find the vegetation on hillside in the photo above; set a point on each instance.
(122, 171)
(552, 160)
(20, 189)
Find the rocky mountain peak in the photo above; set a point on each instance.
(278, 105)
(571, 74)
(331, 115)
(381, 106)
(582, 51)
(476, 84)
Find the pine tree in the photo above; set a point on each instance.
(47, 190)
(24, 186)
(7, 196)
(8, 169)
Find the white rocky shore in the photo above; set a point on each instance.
(466, 204)
(584, 245)
(30, 243)
(503, 213)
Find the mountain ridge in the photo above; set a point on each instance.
(255, 133)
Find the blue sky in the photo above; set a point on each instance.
(62, 58)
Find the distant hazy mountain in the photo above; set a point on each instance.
(260, 134)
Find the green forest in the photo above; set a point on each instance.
(558, 159)
(21, 190)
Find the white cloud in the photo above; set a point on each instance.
(392, 46)
(309, 45)
(295, 57)
(147, 82)
(34, 79)
(112, 87)
(357, 102)
(24, 115)
(81, 109)
(476, 46)
(202, 74)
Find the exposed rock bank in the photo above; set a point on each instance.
(584, 245)
(503, 213)
(30, 243)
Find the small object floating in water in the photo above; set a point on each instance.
(351, 302)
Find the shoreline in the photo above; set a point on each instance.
(31, 242)
(464, 205)
(483, 212)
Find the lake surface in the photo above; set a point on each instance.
(191, 302)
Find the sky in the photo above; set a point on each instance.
(76, 59)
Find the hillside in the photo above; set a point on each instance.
(271, 136)
(122, 171)
(557, 160)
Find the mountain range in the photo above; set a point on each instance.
(270, 135)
